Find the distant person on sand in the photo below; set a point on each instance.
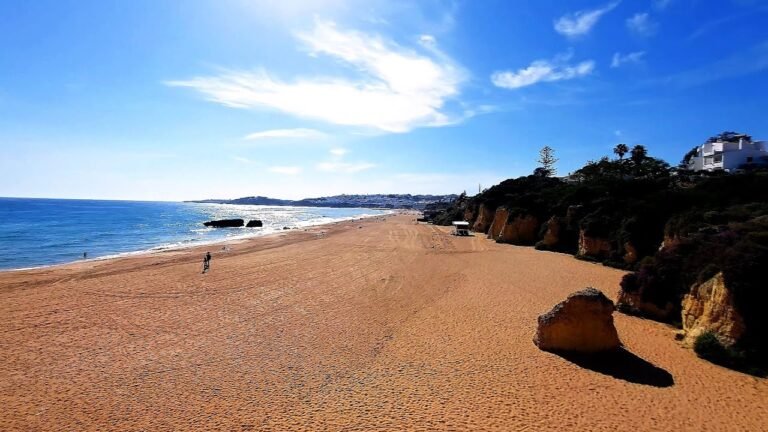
(206, 262)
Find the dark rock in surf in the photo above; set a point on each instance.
(225, 223)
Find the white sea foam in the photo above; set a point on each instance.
(291, 217)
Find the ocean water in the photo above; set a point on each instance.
(38, 232)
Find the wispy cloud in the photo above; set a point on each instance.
(661, 4)
(543, 71)
(338, 165)
(620, 59)
(741, 63)
(427, 40)
(241, 159)
(399, 89)
(345, 167)
(299, 133)
(581, 22)
(642, 24)
(287, 170)
(714, 25)
(144, 155)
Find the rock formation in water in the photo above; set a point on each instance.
(254, 224)
(225, 223)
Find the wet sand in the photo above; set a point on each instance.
(375, 325)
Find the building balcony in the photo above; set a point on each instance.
(713, 166)
(712, 153)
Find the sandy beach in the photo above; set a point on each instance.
(373, 325)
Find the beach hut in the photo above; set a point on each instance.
(460, 228)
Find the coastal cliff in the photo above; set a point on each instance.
(593, 246)
(499, 221)
(710, 307)
(673, 233)
(484, 219)
(551, 234)
(519, 230)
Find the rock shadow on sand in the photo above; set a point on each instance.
(624, 365)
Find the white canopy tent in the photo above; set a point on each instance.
(460, 228)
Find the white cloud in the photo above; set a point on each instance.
(398, 89)
(642, 24)
(345, 167)
(621, 59)
(241, 159)
(427, 40)
(298, 133)
(744, 62)
(581, 22)
(287, 170)
(542, 71)
(661, 4)
(339, 151)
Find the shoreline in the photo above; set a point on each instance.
(157, 250)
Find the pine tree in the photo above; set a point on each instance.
(547, 161)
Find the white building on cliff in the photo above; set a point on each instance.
(729, 152)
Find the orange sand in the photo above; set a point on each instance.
(392, 326)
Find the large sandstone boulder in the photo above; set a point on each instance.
(581, 323)
(225, 223)
(710, 307)
(522, 230)
(594, 247)
(499, 220)
(484, 218)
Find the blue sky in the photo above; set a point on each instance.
(171, 100)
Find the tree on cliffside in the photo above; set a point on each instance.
(688, 156)
(547, 161)
(620, 150)
(638, 155)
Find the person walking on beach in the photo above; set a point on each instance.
(206, 262)
(85, 255)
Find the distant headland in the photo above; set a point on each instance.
(392, 201)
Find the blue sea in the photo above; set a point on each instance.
(39, 232)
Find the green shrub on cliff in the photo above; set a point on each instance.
(740, 251)
(709, 347)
